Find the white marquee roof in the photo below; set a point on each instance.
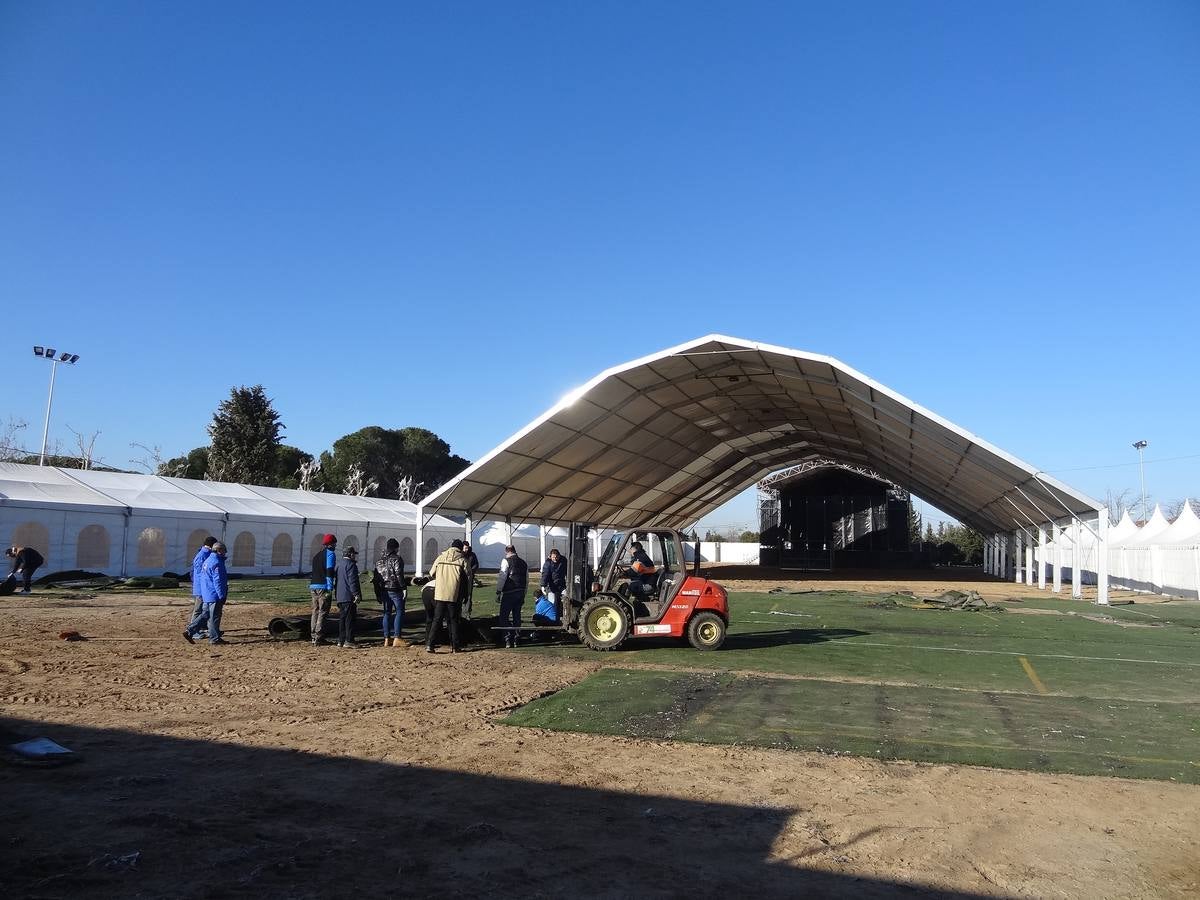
(145, 494)
(666, 439)
(45, 486)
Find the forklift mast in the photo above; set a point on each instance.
(579, 573)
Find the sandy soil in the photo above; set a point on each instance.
(276, 769)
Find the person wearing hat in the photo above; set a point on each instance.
(324, 571)
(214, 591)
(349, 595)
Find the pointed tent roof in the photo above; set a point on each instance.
(1148, 533)
(1123, 530)
(1185, 528)
(666, 439)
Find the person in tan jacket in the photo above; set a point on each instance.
(450, 579)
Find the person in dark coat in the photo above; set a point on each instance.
(554, 578)
(26, 561)
(472, 568)
(349, 595)
(510, 592)
(389, 588)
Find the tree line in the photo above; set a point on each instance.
(246, 446)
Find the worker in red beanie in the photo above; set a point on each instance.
(324, 571)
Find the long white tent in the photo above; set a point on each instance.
(129, 524)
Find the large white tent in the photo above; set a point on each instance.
(129, 524)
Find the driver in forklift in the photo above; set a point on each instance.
(641, 570)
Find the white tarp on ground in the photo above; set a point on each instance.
(1159, 557)
(129, 524)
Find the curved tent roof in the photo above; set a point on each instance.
(666, 439)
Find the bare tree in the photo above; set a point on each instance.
(87, 447)
(10, 440)
(308, 473)
(406, 489)
(1119, 501)
(152, 461)
(357, 484)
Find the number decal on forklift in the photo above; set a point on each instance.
(651, 629)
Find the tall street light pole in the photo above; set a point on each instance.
(1140, 446)
(48, 353)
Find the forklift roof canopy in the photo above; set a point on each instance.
(665, 439)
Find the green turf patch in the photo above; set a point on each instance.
(928, 724)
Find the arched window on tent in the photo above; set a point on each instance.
(32, 534)
(152, 549)
(350, 541)
(406, 552)
(378, 550)
(243, 550)
(431, 551)
(92, 548)
(195, 541)
(281, 550)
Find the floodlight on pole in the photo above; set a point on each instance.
(48, 353)
(1139, 446)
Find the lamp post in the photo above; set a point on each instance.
(48, 353)
(1140, 446)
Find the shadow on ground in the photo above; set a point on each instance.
(207, 819)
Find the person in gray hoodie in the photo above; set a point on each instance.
(349, 595)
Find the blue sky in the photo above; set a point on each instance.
(449, 214)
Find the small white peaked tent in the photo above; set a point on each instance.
(1122, 531)
(1148, 533)
(1184, 530)
(129, 524)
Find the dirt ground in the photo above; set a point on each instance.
(278, 769)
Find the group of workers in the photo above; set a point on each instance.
(334, 580)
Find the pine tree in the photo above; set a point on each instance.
(245, 434)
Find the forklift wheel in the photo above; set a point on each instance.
(706, 631)
(603, 624)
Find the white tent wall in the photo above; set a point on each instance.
(1159, 557)
(56, 534)
(129, 524)
(723, 551)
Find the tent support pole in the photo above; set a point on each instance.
(419, 550)
(125, 544)
(1018, 572)
(468, 528)
(1102, 560)
(1058, 534)
(1029, 558)
(542, 541)
(1076, 561)
(1041, 558)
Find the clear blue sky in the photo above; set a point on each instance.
(449, 214)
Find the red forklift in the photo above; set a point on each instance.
(616, 602)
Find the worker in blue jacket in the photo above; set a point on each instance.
(324, 572)
(197, 564)
(214, 591)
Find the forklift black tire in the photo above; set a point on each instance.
(706, 631)
(603, 623)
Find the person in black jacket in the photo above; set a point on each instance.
(26, 561)
(349, 595)
(510, 592)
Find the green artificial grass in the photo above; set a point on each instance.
(989, 688)
(938, 725)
